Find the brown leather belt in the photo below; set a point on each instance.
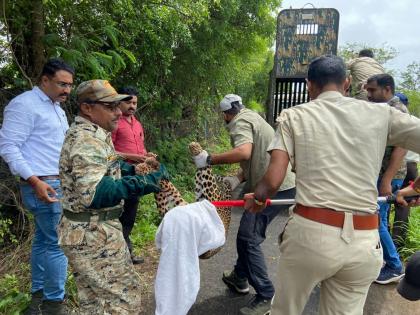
(44, 177)
(336, 218)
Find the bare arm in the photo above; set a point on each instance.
(397, 158)
(271, 181)
(410, 190)
(238, 154)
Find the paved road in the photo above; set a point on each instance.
(214, 297)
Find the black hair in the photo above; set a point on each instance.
(327, 69)
(55, 64)
(129, 90)
(383, 80)
(366, 53)
(236, 108)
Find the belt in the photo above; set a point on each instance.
(86, 216)
(336, 218)
(44, 177)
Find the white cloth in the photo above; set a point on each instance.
(185, 233)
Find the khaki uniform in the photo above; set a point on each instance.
(336, 145)
(105, 277)
(361, 69)
(249, 127)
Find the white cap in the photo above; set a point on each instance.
(227, 101)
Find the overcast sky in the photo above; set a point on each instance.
(374, 22)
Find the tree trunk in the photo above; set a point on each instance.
(36, 45)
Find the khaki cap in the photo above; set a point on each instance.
(99, 90)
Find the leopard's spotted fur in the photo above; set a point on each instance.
(207, 186)
(168, 197)
(211, 187)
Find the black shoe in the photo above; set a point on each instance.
(53, 308)
(137, 260)
(36, 300)
(240, 285)
(257, 306)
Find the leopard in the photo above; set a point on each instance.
(169, 196)
(211, 187)
(208, 186)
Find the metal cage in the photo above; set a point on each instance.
(302, 35)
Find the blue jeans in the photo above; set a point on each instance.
(251, 233)
(391, 257)
(48, 262)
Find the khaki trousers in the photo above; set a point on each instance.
(345, 261)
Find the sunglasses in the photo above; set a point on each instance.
(111, 106)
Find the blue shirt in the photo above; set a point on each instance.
(32, 134)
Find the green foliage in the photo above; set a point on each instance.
(411, 77)
(12, 300)
(147, 221)
(414, 101)
(412, 242)
(182, 56)
(6, 235)
(71, 291)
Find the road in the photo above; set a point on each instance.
(214, 298)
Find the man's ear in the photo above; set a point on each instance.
(43, 80)
(388, 90)
(311, 88)
(86, 109)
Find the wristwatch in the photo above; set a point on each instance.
(208, 160)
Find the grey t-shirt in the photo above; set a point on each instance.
(249, 127)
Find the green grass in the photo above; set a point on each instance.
(412, 242)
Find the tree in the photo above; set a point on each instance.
(411, 77)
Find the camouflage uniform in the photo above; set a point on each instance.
(105, 277)
(402, 171)
(361, 69)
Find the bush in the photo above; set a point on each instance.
(13, 298)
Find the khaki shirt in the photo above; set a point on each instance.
(361, 69)
(249, 127)
(336, 144)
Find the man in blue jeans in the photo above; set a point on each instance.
(381, 89)
(250, 136)
(31, 138)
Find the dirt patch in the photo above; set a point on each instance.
(147, 272)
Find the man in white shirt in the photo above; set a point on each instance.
(31, 138)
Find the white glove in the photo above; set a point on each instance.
(200, 159)
(233, 181)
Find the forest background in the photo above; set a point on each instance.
(183, 56)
